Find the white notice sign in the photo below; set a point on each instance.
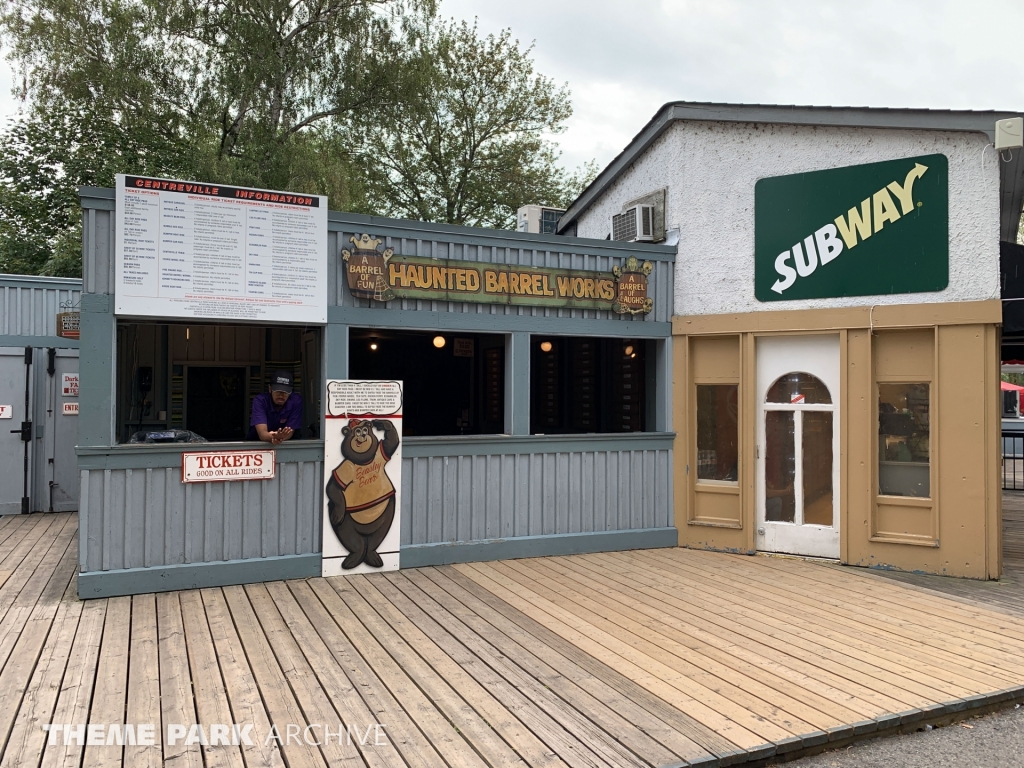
(6, 412)
(69, 385)
(70, 409)
(213, 466)
(187, 249)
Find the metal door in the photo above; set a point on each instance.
(55, 488)
(798, 445)
(15, 424)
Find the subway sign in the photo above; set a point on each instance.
(864, 230)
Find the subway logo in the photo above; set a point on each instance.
(880, 228)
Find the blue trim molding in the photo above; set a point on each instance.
(423, 555)
(166, 578)
(39, 342)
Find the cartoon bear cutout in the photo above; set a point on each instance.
(360, 495)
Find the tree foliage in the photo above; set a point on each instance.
(374, 103)
(471, 146)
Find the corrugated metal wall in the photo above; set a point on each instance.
(29, 305)
(473, 498)
(136, 518)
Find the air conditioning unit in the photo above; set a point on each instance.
(538, 219)
(635, 225)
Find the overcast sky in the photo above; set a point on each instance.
(624, 59)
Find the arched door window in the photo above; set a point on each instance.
(798, 451)
(799, 389)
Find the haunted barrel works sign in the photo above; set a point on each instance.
(383, 275)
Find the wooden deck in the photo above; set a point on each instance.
(1007, 594)
(653, 658)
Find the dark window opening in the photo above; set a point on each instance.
(584, 384)
(454, 383)
(179, 378)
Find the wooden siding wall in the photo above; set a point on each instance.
(137, 518)
(480, 497)
(29, 305)
(497, 250)
(137, 514)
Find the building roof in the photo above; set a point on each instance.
(1012, 172)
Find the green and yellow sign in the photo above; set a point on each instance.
(385, 275)
(874, 229)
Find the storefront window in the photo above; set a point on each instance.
(903, 440)
(717, 432)
(194, 382)
(454, 382)
(584, 384)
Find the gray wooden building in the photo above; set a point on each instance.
(520, 489)
(38, 413)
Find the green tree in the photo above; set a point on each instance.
(472, 145)
(44, 159)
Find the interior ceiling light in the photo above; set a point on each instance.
(545, 346)
(373, 345)
(439, 341)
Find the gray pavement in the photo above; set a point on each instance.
(991, 741)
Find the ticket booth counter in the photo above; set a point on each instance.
(529, 428)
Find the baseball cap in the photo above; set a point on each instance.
(281, 381)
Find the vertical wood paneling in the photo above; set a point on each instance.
(476, 498)
(148, 518)
(512, 252)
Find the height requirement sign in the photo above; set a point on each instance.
(189, 249)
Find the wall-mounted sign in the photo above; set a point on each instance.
(383, 275)
(874, 229)
(462, 347)
(187, 249)
(6, 412)
(363, 469)
(216, 466)
(69, 385)
(68, 324)
(70, 409)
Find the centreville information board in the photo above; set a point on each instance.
(362, 477)
(874, 229)
(188, 249)
(383, 275)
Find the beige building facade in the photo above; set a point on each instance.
(834, 395)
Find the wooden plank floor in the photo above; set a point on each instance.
(649, 658)
(1006, 594)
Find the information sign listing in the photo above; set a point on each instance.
(189, 249)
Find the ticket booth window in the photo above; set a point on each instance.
(904, 434)
(585, 384)
(454, 383)
(185, 381)
(718, 433)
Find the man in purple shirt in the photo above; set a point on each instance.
(276, 413)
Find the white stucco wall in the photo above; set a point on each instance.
(710, 169)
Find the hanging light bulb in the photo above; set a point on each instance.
(439, 341)
(373, 346)
(545, 346)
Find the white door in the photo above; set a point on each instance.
(798, 445)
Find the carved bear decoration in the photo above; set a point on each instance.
(360, 495)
